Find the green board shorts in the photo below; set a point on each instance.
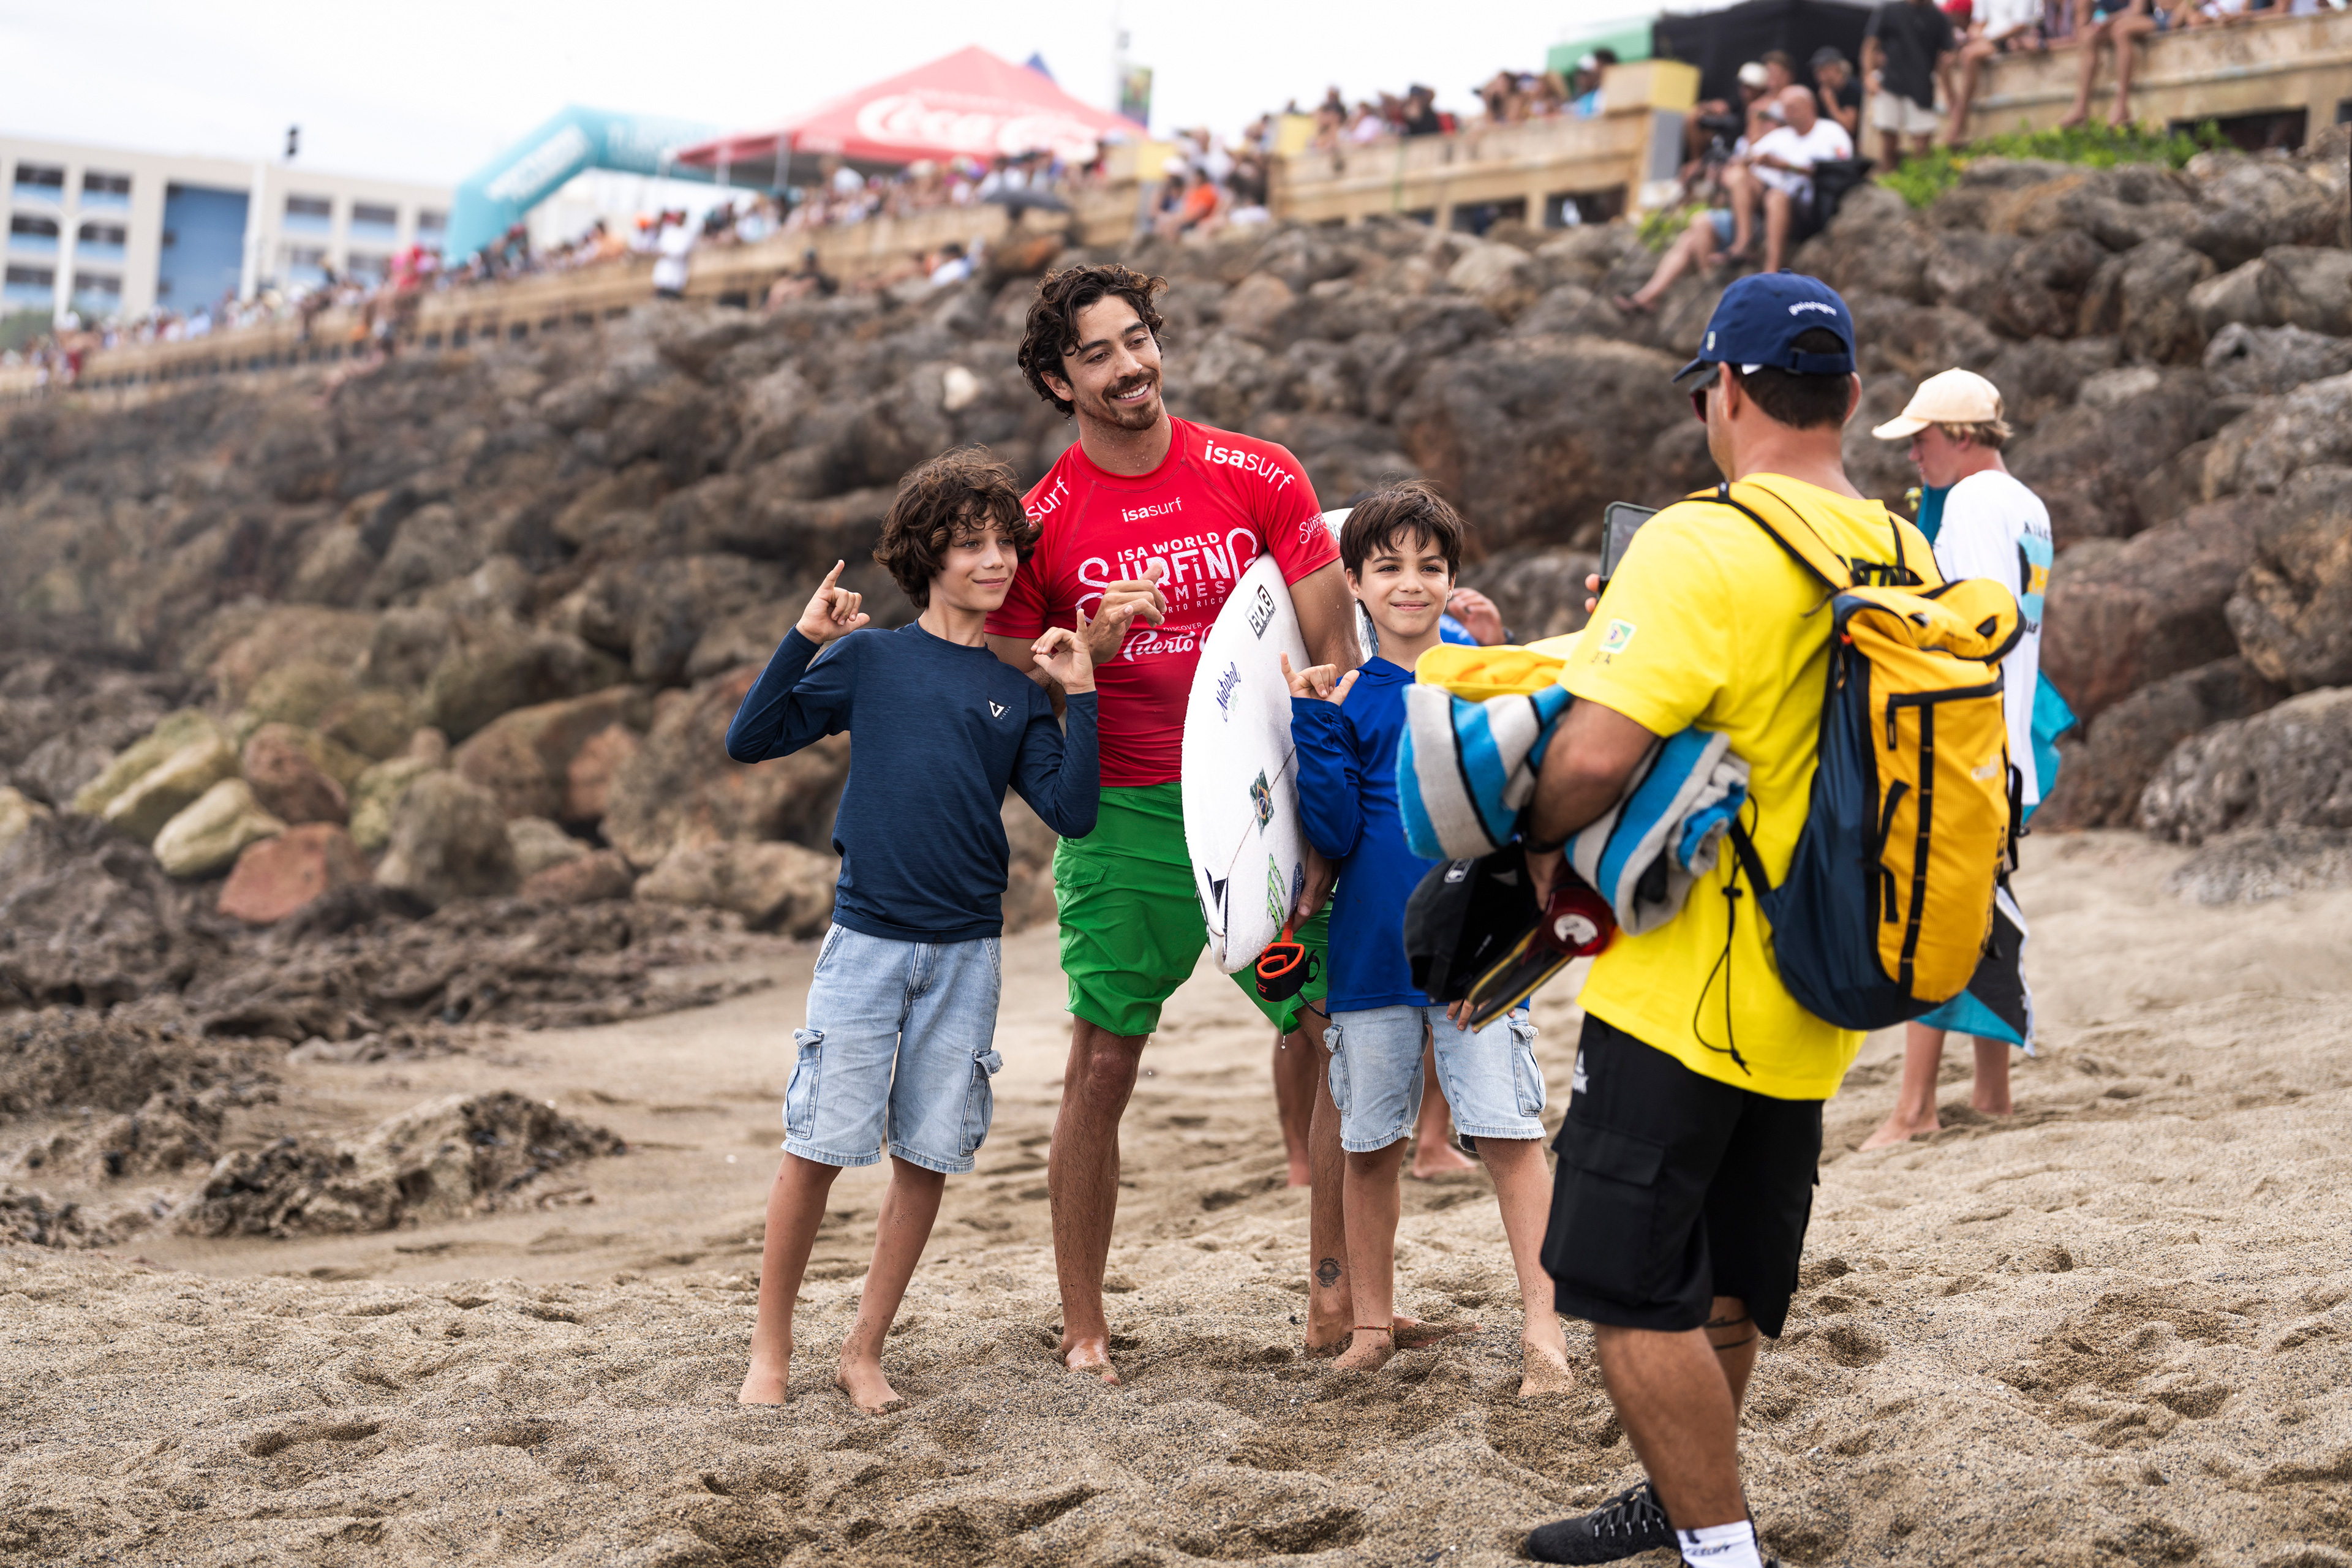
(1131, 923)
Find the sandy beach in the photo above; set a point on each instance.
(2116, 1329)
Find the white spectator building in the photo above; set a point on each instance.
(108, 232)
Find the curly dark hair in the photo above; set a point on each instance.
(953, 497)
(1053, 327)
(1406, 509)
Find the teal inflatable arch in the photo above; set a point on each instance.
(495, 197)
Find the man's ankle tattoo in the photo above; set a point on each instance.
(1326, 1273)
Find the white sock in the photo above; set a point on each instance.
(1721, 1546)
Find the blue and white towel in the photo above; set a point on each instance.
(1466, 771)
(1643, 853)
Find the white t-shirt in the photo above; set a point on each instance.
(1994, 527)
(677, 240)
(2002, 18)
(1827, 139)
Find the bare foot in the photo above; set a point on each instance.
(1983, 1108)
(1328, 1339)
(2121, 119)
(1090, 1355)
(1368, 1350)
(1632, 305)
(1544, 1370)
(1439, 1157)
(1299, 1175)
(2071, 118)
(764, 1383)
(1895, 1130)
(860, 1377)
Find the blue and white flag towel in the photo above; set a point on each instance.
(1466, 770)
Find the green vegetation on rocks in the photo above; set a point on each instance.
(1921, 180)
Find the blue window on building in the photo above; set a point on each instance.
(203, 246)
(305, 266)
(29, 288)
(97, 293)
(310, 215)
(104, 190)
(30, 235)
(42, 182)
(373, 221)
(100, 242)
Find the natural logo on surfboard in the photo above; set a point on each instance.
(1262, 800)
(1226, 684)
(1261, 613)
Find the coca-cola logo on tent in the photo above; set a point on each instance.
(980, 127)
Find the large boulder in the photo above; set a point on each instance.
(2281, 436)
(588, 779)
(652, 613)
(598, 875)
(2142, 297)
(2084, 462)
(275, 877)
(172, 785)
(1533, 436)
(215, 827)
(681, 788)
(2306, 286)
(774, 887)
(448, 841)
(2040, 293)
(143, 756)
(497, 665)
(280, 634)
(2293, 611)
(1503, 277)
(525, 757)
(287, 783)
(377, 795)
(2290, 766)
(538, 844)
(297, 692)
(2101, 779)
(2120, 615)
(2271, 360)
(2235, 296)
(2250, 204)
(374, 723)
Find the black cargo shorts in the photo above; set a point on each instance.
(1673, 1189)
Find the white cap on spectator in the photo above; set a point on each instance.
(1954, 397)
(1752, 75)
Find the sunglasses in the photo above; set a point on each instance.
(1699, 389)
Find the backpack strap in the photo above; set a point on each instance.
(1809, 549)
(1814, 553)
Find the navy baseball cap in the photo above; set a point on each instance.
(1760, 319)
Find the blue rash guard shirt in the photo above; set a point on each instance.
(1347, 800)
(941, 730)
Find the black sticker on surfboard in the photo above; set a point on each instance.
(1261, 614)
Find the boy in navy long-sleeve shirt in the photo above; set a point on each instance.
(1401, 548)
(900, 1045)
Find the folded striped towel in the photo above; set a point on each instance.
(1643, 853)
(1466, 770)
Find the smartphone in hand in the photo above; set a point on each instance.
(1618, 525)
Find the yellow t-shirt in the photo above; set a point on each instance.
(1710, 622)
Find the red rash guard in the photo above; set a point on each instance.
(1216, 503)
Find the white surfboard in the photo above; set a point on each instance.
(1240, 781)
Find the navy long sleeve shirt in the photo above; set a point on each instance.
(940, 729)
(1348, 802)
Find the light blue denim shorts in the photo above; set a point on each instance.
(900, 1045)
(1490, 1078)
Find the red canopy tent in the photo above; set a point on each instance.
(968, 104)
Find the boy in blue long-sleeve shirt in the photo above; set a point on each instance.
(1401, 548)
(899, 1044)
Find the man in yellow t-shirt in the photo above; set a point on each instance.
(1689, 1154)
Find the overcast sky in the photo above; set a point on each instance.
(429, 89)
